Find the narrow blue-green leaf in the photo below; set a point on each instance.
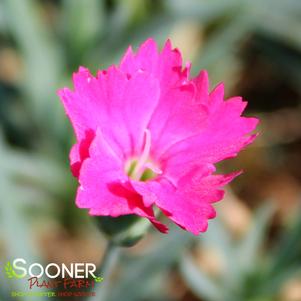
(41, 58)
(249, 248)
(201, 284)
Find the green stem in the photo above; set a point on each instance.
(109, 259)
(105, 270)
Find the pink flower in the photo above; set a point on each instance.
(149, 136)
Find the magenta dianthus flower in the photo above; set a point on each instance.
(148, 135)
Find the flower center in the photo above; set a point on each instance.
(142, 168)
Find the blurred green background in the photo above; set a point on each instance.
(252, 251)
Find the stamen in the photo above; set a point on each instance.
(153, 168)
(140, 166)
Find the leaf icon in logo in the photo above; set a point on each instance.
(10, 273)
(98, 279)
(9, 270)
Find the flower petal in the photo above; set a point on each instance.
(165, 65)
(120, 106)
(188, 204)
(176, 118)
(202, 87)
(223, 136)
(104, 187)
(80, 151)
